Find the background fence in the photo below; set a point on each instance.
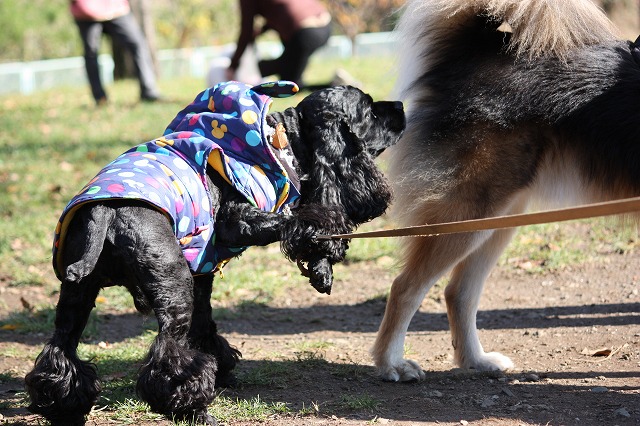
(28, 77)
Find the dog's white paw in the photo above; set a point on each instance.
(405, 371)
(492, 361)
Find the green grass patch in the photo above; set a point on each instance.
(553, 246)
(362, 402)
(40, 320)
(254, 409)
(131, 410)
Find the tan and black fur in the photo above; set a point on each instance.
(510, 103)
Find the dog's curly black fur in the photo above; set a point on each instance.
(335, 135)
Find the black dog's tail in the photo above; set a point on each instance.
(96, 221)
(539, 28)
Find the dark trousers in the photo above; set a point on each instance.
(127, 32)
(295, 57)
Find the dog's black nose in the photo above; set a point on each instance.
(398, 105)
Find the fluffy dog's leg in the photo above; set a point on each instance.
(463, 297)
(175, 380)
(426, 260)
(204, 336)
(62, 388)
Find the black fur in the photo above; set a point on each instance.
(574, 102)
(335, 135)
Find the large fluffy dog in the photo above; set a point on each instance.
(135, 231)
(509, 101)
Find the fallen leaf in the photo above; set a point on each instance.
(10, 327)
(596, 352)
(26, 304)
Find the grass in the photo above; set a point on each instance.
(360, 402)
(254, 409)
(52, 143)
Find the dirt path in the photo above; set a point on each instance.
(311, 352)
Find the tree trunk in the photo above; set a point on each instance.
(123, 62)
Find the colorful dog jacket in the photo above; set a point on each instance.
(224, 128)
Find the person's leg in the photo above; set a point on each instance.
(126, 30)
(297, 51)
(91, 35)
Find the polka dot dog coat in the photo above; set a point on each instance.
(224, 128)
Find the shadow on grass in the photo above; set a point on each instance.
(354, 391)
(259, 319)
(310, 386)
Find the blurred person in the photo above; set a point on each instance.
(114, 18)
(303, 27)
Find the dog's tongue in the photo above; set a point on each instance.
(277, 89)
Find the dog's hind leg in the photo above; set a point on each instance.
(204, 336)
(174, 380)
(463, 297)
(62, 388)
(427, 259)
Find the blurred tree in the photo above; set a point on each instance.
(187, 23)
(625, 14)
(359, 16)
(37, 29)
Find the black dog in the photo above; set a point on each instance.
(334, 135)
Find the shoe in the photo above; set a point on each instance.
(102, 102)
(152, 98)
(343, 78)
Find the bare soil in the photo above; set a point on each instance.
(574, 335)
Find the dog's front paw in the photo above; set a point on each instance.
(298, 238)
(492, 361)
(405, 371)
(320, 274)
(204, 418)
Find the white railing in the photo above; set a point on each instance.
(28, 77)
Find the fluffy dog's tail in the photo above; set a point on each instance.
(538, 28)
(96, 221)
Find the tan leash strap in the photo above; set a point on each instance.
(608, 208)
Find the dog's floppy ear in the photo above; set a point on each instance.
(333, 117)
(343, 134)
(351, 121)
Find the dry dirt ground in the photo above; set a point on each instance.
(573, 334)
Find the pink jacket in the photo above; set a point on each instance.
(99, 10)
